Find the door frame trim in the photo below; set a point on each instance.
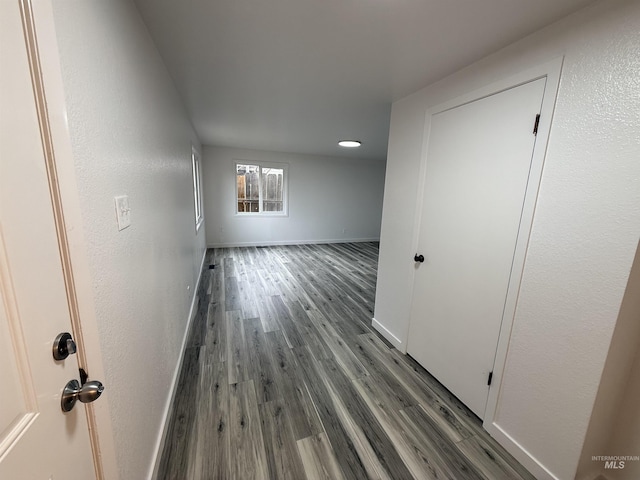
(46, 78)
(550, 70)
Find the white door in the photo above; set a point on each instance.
(37, 440)
(477, 168)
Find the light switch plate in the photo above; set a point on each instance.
(123, 212)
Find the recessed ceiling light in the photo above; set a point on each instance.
(349, 143)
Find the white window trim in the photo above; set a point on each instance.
(285, 188)
(196, 173)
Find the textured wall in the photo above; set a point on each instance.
(585, 231)
(626, 430)
(582, 245)
(130, 135)
(330, 199)
(614, 429)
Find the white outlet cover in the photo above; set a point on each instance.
(123, 212)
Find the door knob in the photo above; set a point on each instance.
(63, 346)
(73, 391)
(418, 258)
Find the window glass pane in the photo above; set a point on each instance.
(259, 189)
(248, 188)
(240, 171)
(197, 189)
(272, 189)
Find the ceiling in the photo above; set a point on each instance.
(299, 75)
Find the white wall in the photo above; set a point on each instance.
(330, 200)
(614, 429)
(626, 430)
(584, 234)
(130, 135)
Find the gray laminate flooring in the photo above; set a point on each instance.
(283, 377)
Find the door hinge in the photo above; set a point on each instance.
(489, 379)
(535, 125)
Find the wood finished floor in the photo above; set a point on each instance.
(284, 378)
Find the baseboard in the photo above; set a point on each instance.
(526, 459)
(382, 330)
(174, 382)
(291, 242)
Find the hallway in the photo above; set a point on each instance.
(283, 378)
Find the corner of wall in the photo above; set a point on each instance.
(609, 418)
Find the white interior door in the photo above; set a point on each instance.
(37, 440)
(477, 168)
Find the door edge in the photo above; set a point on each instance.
(46, 77)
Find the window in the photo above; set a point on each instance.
(197, 189)
(261, 189)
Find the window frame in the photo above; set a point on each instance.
(196, 175)
(285, 188)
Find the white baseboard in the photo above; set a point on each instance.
(176, 374)
(290, 242)
(382, 330)
(526, 459)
